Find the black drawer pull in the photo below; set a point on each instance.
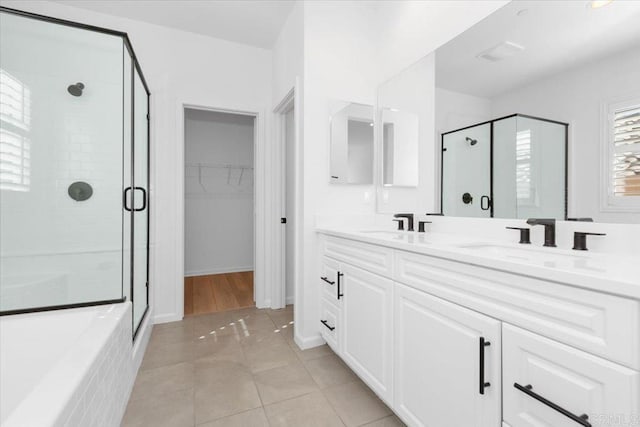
(324, 322)
(328, 281)
(483, 383)
(340, 294)
(527, 389)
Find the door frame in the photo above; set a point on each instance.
(261, 253)
(278, 292)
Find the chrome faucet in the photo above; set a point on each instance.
(549, 229)
(409, 218)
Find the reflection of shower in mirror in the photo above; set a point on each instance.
(471, 142)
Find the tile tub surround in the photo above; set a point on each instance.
(242, 368)
(80, 373)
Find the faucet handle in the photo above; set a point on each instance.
(580, 240)
(525, 234)
(400, 224)
(421, 225)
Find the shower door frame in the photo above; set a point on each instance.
(135, 68)
(491, 122)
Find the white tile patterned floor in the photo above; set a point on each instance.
(242, 368)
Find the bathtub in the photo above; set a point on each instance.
(66, 368)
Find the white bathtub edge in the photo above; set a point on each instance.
(54, 403)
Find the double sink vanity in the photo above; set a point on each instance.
(463, 322)
(454, 330)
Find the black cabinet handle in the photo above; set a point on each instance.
(327, 280)
(580, 419)
(144, 199)
(484, 199)
(483, 383)
(340, 294)
(324, 322)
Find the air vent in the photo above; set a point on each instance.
(502, 51)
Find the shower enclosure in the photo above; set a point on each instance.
(511, 167)
(74, 167)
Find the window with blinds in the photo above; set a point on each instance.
(625, 171)
(15, 124)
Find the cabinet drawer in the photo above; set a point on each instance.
(598, 323)
(376, 259)
(591, 390)
(329, 272)
(330, 324)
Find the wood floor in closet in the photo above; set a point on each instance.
(218, 292)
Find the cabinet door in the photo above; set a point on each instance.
(443, 374)
(367, 327)
(551, 384)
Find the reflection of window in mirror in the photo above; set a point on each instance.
(525, 191)
(622, 148)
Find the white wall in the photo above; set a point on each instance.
(576, 97)
(218, 201)
(455, 110)
(180, 67)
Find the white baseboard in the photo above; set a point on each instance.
(166, 318)
(306, 343)
(219, 270)
(290, 300)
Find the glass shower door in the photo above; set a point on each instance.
(140, 201)
(466, 172)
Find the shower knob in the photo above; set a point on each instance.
(80, 191)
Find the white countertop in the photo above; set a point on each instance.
(610, 273)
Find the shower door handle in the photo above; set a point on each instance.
(484, 199)
(125, 199)
(144, 199)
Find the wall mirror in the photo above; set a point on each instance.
(404, 135)
(351, 143)
(537, 113)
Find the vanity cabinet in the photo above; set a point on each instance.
(356, 317)
(367, 324)
(540, 374)
(446, 343)
(447, 363)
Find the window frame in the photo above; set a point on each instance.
(609, 202)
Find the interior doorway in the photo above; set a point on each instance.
(219, 204)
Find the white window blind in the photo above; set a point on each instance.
(15, 124)
(625, 171)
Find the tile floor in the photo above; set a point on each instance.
(242, 368)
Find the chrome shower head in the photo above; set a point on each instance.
(471, 142)
(76, 89)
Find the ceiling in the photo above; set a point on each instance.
(253, 22)
(556, 36)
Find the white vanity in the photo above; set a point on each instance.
(452, 331)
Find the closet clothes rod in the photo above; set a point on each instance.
(219, 166)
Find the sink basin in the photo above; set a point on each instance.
(383, 232)
(524, 253)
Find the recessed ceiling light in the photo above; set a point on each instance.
(596, 4)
